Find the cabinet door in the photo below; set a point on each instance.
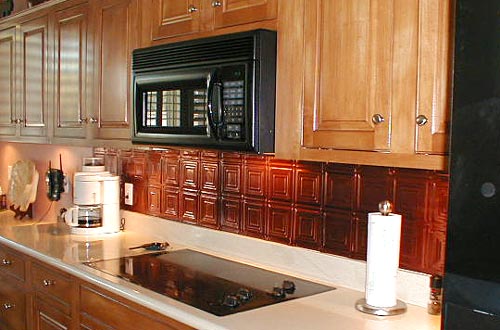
(7, 82)
(70, 38)
(348, 74)
(13, 305)
(100, 310)
(33, 78)
(434, 100)
(175, 17)
(236, 12)
(48, 318)
(116, 32)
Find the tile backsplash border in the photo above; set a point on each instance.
(315, 205)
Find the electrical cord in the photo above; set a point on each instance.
(46, 212)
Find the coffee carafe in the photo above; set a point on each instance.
(96, 199)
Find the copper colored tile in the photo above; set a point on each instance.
(308, 228)
(209, 211)
(254, 217)
(279, 222)
(231, 214)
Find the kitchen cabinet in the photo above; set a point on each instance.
(102, 310)
(172, 18)
(53, 297)
(115, 33)
(71, 72)
(12, 290)
(33, 81)
(8, 82)
(24, 79)
(35, 295)
(371, 71)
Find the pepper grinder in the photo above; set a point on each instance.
(435, 298)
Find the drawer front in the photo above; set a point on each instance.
(53, 284)
(12, 263)
(117, 313)
(12, 305)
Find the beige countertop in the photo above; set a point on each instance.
(52, 243)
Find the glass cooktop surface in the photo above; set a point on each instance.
(215, 285)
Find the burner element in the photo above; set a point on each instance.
(231, 301)
(278, 292)
(244, 294)
(288, 286)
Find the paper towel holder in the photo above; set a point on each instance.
(385, 208)
(399, 308)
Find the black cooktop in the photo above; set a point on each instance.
(215, 285)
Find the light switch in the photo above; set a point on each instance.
(129, 194)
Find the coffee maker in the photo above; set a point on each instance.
(96, 199)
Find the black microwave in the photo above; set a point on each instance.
(216, 92)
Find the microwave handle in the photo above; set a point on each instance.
(214, 124)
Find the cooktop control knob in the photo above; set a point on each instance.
(288, 286)
(231, 301)
(278, 292)
(244, 294)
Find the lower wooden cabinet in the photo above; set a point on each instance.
(46, 298)
(12, 305)
(101, 310)
(47, 317)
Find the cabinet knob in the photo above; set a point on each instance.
(216, 3)
(377, 119)
(16, 121)
(6, 262)
(8, 306)
(48, 282)
(90, 120)
(421, 120)
(192, 9)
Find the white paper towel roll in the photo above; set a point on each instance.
(382, 260)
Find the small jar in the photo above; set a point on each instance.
(435, 298)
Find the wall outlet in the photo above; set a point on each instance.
(67, 184)
(129, 194)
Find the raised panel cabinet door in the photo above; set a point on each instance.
(236, 12)
(102, 310)
(116, 34)
(47, 318)
(175, 17)
(348, 74)
(7, 82)
(13, 305)
(34, 101)
(432, 118)
(70, 59)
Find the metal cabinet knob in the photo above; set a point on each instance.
(8, 306)
(216, 3)
(48, 282)
(377, 119)
(6, 262)
(93, 120)
(192, 9)
(421, 120)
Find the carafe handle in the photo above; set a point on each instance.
(71, 217)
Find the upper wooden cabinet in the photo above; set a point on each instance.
(8, 82)
(434, 69)
(349, 78)
(24, 79)
(171, 18)
(116, 33)
(70, 59)
(368, 81)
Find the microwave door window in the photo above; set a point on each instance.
(174, 110)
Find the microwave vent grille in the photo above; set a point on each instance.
(193, 52)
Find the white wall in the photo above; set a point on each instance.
(40, 155)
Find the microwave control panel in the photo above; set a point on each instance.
(233, 98)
